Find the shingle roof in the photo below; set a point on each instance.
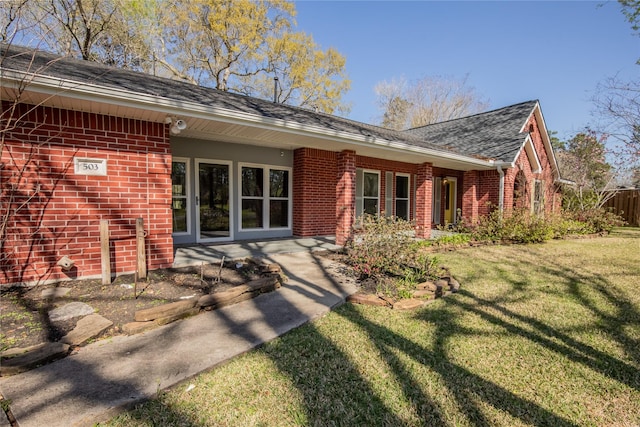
(491, 135)
(494, 134)
(44, 63)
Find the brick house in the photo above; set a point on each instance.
(88, 142)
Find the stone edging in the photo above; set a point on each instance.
(17, 360)
(425, 293)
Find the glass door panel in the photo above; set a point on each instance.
(213, 202)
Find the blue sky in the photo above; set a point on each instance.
(513, 51)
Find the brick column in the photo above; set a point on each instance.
(470, 196)
(424, 200)
(345, 195)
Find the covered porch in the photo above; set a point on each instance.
(189, 255)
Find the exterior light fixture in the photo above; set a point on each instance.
(177, 125)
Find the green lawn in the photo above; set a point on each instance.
(539, 335)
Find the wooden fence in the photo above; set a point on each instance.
(626, 203)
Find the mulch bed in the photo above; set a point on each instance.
(24, 312)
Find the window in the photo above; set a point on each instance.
(252, 197)
(538, 197)
(278, 198)
(367, 192)
(264, 197)
(402, 197)
(179, 195)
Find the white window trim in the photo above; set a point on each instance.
(266, 198)
(188, 178)
(364, 171)
(533, 197)
(395, 194)
(229, 163)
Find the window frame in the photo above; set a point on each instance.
(361, 199)
(266, 196)
(186, 197)
(405, 199)
(537, 203)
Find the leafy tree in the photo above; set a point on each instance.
(428, 100)
(234, 45)
(583, 161)
(631, 10)
(556, 142)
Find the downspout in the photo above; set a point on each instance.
(501, 190)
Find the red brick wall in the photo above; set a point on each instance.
(424, 200)
(470, 196)
(62, 211)
(345, 208)
(552, 198)
(324, 182)
(384, 166)
(481, 188)
(314, 192)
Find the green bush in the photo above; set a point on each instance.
(455, 239)
(598, 220)
(521, 226)
(524, 227)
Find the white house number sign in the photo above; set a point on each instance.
(90, 166)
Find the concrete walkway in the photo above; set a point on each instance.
(98, 380)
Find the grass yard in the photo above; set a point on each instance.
(539, 335)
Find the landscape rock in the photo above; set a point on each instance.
(133, 328)
(88, 327)
(454, 285)
(428, 285)
(19, 360)
(367, 299)
(408, 304)
(69, 311)
(424, 294)
(273, 268)
(165, 310)
(239, 293)
(389, 300)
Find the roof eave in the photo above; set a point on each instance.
(546, 140)
(53, 87)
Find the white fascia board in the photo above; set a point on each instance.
(546, 140)
(534, 160)
(92, 92)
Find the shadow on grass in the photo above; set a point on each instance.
(465, 386)
(546, 336)
(335, 392)
(611, 312)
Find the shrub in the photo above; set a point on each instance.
(384, 249)
(524, 227)
(563, 225)
(598, 220)
(519, 226)
(456, 239)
